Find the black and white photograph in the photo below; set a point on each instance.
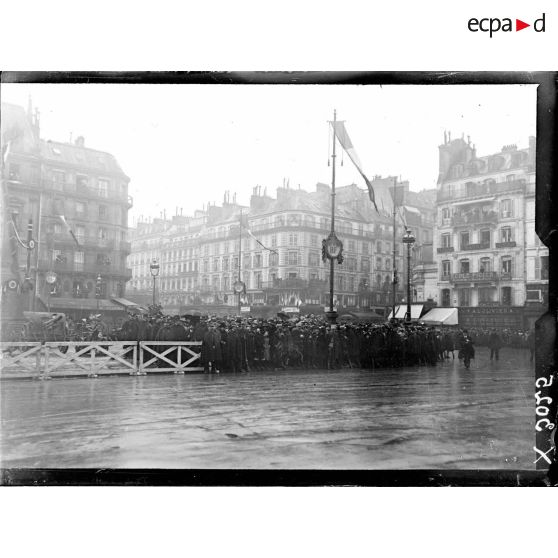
(267, 275)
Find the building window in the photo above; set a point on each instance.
(379, 247)
(446, 240)
(445, 215)
(102, 188)
(485, 265)
(274, 259)
(215, 264)
(365, 265)
(506, 296)
(81, 181)
(464, 266)
(485, 237)
(351, 283)
(293, 239)
(205, 266)
(258, 259)
(247, 261)
(464, 297)
(464, 240)
(79, 260)
(446, 297)
(506, 234)
(506, 209)
(292, 258)
(313, 240)
(80, 208)
(58, 179)
(102, 234)
(102, 212)
(313, 259)
(507, 265)
(378, 263)
(80, 233)
(485, 294)
(365, 247)
(446, 268)
(352, 246)
(351, 264)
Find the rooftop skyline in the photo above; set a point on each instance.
(185, 145)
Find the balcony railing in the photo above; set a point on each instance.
(445, 277)
(87, 191)
(478, 276)
(478, 246)
(445, 249)
(508, 244)
(474, 218)
(294, 283)
(480, 190)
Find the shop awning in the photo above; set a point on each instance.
(441, 316)
(400, 311)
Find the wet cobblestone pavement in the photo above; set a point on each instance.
(443, 417)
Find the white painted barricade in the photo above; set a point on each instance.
(167, 356)
(20, 359)
(91, 358)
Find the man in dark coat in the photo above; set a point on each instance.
(211, 350)
(494, 344)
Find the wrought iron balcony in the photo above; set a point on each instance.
(480, 190)
(477, 276)
(478, 246)
(508, 244)
(295, 283)
(445, 249)
(474, 218)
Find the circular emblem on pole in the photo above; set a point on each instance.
(12, 284)
(333, 247)
(31, 245)
(238, 287)
(50, 277)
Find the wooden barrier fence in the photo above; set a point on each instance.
(75, 358)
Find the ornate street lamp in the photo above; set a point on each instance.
(98, 289)
(154, 270)
(50, 280)
(409, 240)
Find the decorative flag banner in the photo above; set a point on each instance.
(69, 229)
(252, 236)
(384, 198)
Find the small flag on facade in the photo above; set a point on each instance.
(69, 230)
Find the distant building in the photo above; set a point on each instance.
(61, 187)
(490, 262)
(279, 246)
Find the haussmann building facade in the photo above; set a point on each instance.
(490, 262)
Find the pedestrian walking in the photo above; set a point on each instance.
(494, 344)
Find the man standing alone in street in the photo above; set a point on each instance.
(494, 343)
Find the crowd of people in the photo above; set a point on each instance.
(241, 344)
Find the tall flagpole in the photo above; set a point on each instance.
(394, 277)
(239, 257)
(331, 262)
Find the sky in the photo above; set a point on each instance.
(184, 145)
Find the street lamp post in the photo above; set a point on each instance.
(409, 240)
(98, 289)
(154, 270)
(332, 247)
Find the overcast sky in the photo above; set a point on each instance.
(184, 145)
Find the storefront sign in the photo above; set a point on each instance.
(245, 308)
(291, 309)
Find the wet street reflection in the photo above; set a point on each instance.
(421, 417)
